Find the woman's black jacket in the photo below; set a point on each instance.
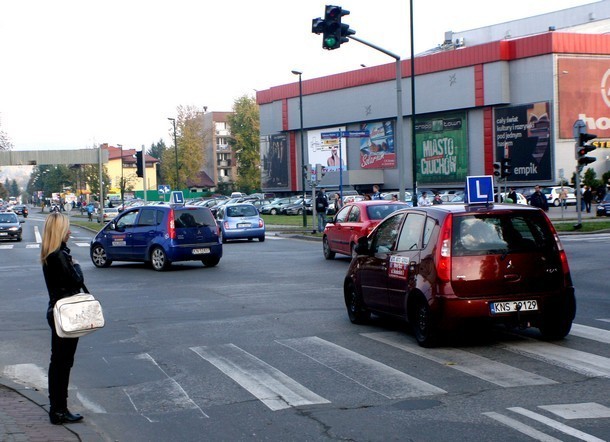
(62, 276)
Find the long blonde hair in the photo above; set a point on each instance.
(55, 230)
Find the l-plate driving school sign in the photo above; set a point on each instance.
(479, 189)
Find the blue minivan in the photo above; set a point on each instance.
(159, 235)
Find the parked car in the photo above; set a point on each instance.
(352, 222)
(552, 195)
(159, 235)
(520, 198)
(438, 267)
(10, 226)
(21, 209)
(603, 207)
(108, 213)
(275, 206)
(296, 208)
(240, 221)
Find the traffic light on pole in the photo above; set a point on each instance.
(505, 172)
(139, 168)
(497, 168)
(582, 149)
(334, 33)
(307, 172)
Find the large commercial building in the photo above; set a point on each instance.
(511, 90)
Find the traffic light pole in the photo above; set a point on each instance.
(399, 130)
(578, 225)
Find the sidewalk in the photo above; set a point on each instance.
(23, 418)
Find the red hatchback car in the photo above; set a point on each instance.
(354, 221)
(438, 267)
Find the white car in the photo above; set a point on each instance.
(520, 198)
(553, 195)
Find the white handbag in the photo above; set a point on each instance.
(77, 315)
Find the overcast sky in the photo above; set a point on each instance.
(77, 73)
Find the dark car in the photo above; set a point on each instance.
(10, 226)
(354, 221)
(159, 235)
(296, 208)
(21, 209)
(603, 207)
(275, 206)
(441, 266)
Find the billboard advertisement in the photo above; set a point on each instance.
(377, 151)
(274, 159)
(584, 94)
(523, 133)
(441, 143)
(329, 152)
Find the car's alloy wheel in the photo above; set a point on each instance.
(328, 253)
(356, 311)
(273, 212)
(99, 257)
(158, 259)
(556, 203)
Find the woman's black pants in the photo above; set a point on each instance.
(62, 359)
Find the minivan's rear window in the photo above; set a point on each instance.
(193, 217)
(501, 233)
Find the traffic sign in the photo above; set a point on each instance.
(329, 135)
(163, 188)
(346, 134)
(177, 197)
(479, 189)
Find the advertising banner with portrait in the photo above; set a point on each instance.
(523, 134)
(274, 159)
(584, 94)
(329, 152)
(377, 151)
(442, 149)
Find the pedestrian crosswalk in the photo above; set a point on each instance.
(363, 372)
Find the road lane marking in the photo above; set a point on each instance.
(585, 410)
(6, 246)
(37, 235)
(483, 368)
(272, 387)
(82, 244)
(521, 428)
(592, 333)
(32, 246)
(555, 425)
(371, 374)
(575, 360)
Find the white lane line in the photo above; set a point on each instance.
(575, 360)
(6, 246)
(584, 410)
(595, 334)
(521, 428)
(89, 404)
(483, 368)
(272, 387)
(153, 396)
(604, 319)
(371, 374)
(37, 235)
(82, 244)
(556, 425)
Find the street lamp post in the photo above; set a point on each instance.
(302, 145)
(122, 179)
(173, 120)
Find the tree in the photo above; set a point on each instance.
(245, 132)
(191, 142)
(156, 151)
(14, 189)
(5, 141)
(3, 192)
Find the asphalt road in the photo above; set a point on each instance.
(260, 348)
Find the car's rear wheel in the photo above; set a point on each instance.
(19, 238)
(99, 256)
(158, 259)
(210, 261)
(356, 311)
(273, 211)
(556, 202)
(261, 238)
(328, 253)
(423, 324)
(557, 321)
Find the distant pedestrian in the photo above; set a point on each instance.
(376, 195)
(423, 200)
(587, 197)
(338, 202)
(512, 195)
(321, 206)
(394, 197)
(437, 199)
(538, 199)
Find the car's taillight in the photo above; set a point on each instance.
(171, 225)
(443, 258)
(261, 223)
(226, 225)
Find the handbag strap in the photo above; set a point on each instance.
(85, 287)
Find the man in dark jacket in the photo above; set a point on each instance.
(321, 206)
(538, 199)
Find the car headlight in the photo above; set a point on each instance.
(13, 229)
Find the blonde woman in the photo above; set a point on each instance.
(63, 277)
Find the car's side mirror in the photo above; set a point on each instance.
(362, 248)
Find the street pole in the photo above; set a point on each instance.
(413, 144)
(173, 120)
(122, 182)
(302, 144)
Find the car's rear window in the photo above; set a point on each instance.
(490, 234)
(193, 217)
(246, 210)
(380, 211)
